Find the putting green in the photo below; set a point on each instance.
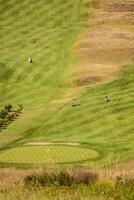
(47, 154)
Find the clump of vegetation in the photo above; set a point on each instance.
(120, 189)
(31, 180)
(8, 108)
(8, 114)
(61, 179)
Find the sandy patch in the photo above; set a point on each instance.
(51, 143)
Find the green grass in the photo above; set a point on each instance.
(46, 31)
(47, 155)
(104, 127)
(43, 30)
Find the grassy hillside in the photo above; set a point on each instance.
(74, 45)
(43, 30)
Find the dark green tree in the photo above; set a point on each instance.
(3, 114)
(8, 107)
(1, 123)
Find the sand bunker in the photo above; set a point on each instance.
(51, 143)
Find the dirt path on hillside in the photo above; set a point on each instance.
(51, 143)
(107, 44)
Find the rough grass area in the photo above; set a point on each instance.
(120, 189)
(61, 184)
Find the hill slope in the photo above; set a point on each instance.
(44, 31)
(70, 54)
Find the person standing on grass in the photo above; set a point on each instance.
(107, 98)
(74, 102)
(30, 60)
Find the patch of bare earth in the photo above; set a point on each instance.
(108, 44)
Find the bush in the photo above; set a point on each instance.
(8, 115)
(1, 123)
(44, 179)
(31, 180)
(8, 107)
(3, 114)
(61, 179)
(9, 118)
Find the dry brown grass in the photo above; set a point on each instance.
(108, 44)
(12, 178)
(118, 6)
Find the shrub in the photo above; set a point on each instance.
(31, 180)
(1, 123)
(61, 179)
(16, 113)
(8, 107)
(45, 179)
(9, 118)
(3, 114)
(7, 115)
